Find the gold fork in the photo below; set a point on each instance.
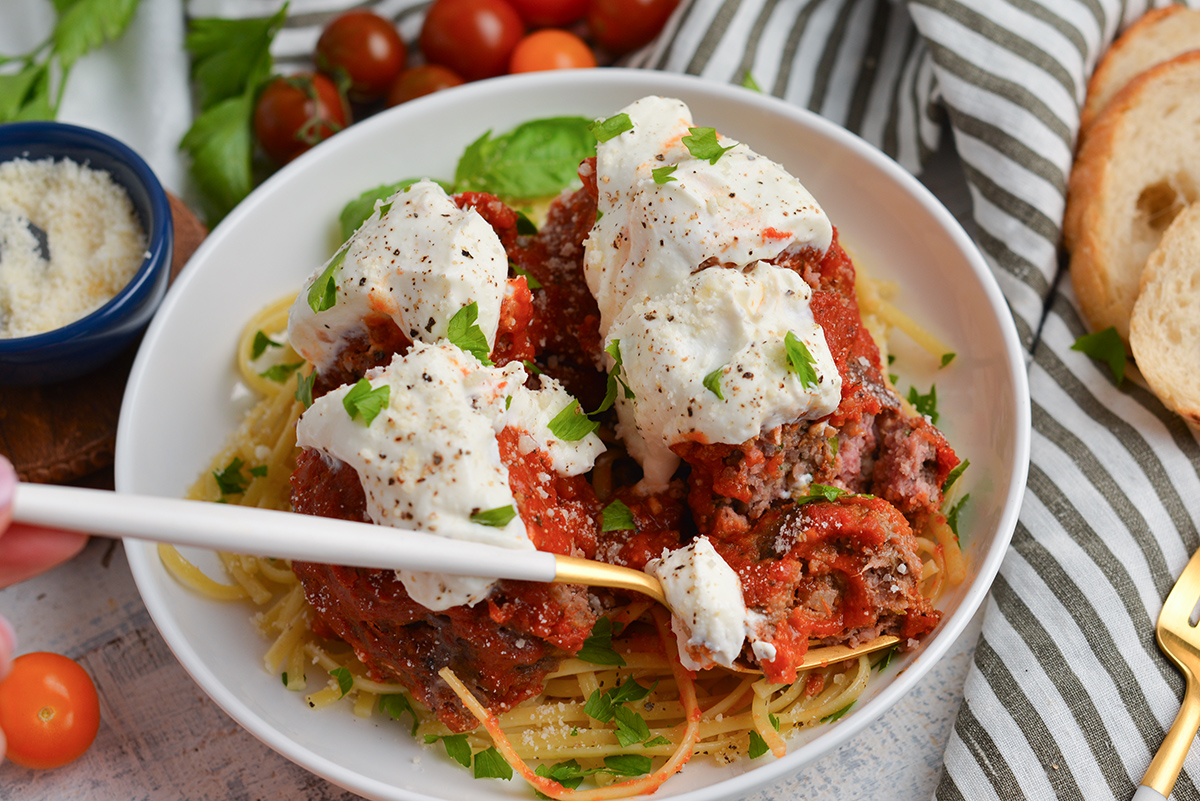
(1180, 641)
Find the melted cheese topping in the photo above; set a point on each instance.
(418, 260)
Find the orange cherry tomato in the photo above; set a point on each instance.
(551, 49)
(49, 711)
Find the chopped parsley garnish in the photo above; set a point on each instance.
(925, 405)
(571, 424)
(833, 446)
(525, 226)
(748, 82)
(304, 388)
(659, 740)
(663, 175)
(702, 144)
(532, 282)
(821, 492)
(499, 517)
(507, 402)
(597, 648)
(631, 727)
(396, 705)
(953, 475)
(946, 359)
(261, 343)
(260, 471)
(617, 517)
(599, 214)
(837, 715)
(385, 208)
(280, 372)
(628, 764)
(569, 774)
(952, 515)
(614, 379)
(712, 382)
(285, 678)
(345, 680)
(230, 480)
(456, 747)
(886, 659)
(613, 126)
(758, 746)
(363, 401)
(773, 719)
(490, 765)
(1105, 346)
(604, 706)
(322, 295)
(531, 367)
(463, 331)
(800, 361)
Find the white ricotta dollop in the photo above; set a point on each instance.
(727, 328)
(418, 259)
(430, 460)
(653, 233)
(709, 616)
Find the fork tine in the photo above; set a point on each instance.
(1183, 596)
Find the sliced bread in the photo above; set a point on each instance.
(1137, 169)
(1164, 331)
(1160, 35)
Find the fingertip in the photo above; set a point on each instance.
(8, 648)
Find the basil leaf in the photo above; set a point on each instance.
(758, 746)
(613, 126)
(230, 480)
(702, 144)
(530, 281)
(345, 680)
(663, 175)
(946, 359)
(926, 405)
(952, 515)
(712, 382)
(631, 727)
(463, 331)
(490, 765)
(261, 343)
(953, 475)
(837, 715)
(1105, 346)
(571, 424)
(280, 372)
(617, 517)
(597, 648)
(499, 517)
(322, 295)
(365, 401)
(359, 210)
(821, 492)
(304, 388)
(800, 361)
(536, 159)
(749, 83)
(628, 764)
(396, 705)
(456, 747)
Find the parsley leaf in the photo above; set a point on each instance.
(456, 747)
(631, 727)
(230, 56)
(532, 282)
(365, 401)
(662, 175)
(820, 492)
(258, 471)
(774, 720)
(800, 361)
(261, 343)
(531, 368)
(749, 83)
(946, 359)
(614, 379)
(953, 475)
(1105, 346)
(220, 146)
(630, 690)
(702, 144)
(600, 706)
(230, 480)
(837, 715)
(304, 388)
(571, 424)
(628, 764)
(659, 740)
(536, 159)
(322, 295)
(952, 515)
(597, 648)
(499, 517)
(617, 517)
(490, 765)
(569, 774)
(280, 372)
(463, 331)
(344, 679)
(285, 678)
(758, 746)
(925, 404)
(396, 705)
(712, 381)
(886, 659)
(613, 126)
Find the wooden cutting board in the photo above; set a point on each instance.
(63, 432)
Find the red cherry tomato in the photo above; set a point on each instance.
(551, 49)
(472, 37)
(420, 81)
(49, 711)
(550, 13)
(364, 47)
(297, 112)
(623, 25)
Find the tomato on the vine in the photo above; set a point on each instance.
(294, 113)
(420, 81)
(472, 37)
(623, 25)
(49, 711)
(364, 47)
(551, 49)
(550, 13)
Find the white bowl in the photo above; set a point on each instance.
(183, 397)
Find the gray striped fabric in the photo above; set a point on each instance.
(1069, 696)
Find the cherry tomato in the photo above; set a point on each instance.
(297, 112)
(550, 13)
(472, 37)
(420, 81)
(551, 49)
(623, 25)
(49, 711)
(365, 48)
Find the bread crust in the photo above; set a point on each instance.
(1137, 168)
